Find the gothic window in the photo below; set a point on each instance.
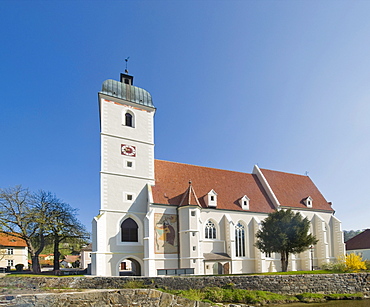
(129, 119)
(129, 231)
(210, 230)
(240, 240)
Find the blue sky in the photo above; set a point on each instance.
(281, 84)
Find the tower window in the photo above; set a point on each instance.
(129, 231)
(129, 120)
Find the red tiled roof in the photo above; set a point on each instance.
(361, 241)
(7, 240)
(172, 181)
(292, 189)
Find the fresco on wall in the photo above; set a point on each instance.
(165, 236)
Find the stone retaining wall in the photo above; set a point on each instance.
(285, 284)
(101, 298)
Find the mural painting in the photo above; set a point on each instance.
(165, 228)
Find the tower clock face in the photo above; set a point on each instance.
(128, 150)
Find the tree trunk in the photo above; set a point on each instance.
(35, 264)
(284, 261)
(56, 263)
(36, 269)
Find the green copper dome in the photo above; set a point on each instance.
(127, 92)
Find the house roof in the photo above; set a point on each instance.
(11, 241)
(88, 247)
(172, 186)
(291, 190)
(184, 184)
(361, 241)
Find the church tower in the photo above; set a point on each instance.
(127, 168)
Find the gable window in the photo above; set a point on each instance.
(244, 202)
(211, 199)
(308, 201)
(210, 230)
(240, 240)
(129, 231)
(10, 251)
(129, 119)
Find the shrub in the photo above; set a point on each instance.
(347, 263)
(353, 262)
(19, 267)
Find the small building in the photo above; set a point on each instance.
(70, 261)
(360, 244)
(86, 256)
(13, 251)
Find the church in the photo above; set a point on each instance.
(161, 218)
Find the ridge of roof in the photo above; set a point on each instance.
(294, 174)
(207, 167)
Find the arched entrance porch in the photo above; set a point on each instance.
(129, 267)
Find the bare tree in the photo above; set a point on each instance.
(64, 225)
(20, 218)
(34, 217)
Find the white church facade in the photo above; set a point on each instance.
(165, 218)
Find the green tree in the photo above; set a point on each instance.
(284, 232)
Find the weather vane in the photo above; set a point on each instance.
(126, 60)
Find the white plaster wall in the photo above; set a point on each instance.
(19, 256)
(365, 253)
(112, 119)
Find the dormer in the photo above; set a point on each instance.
(211, 199)
(244, 202)
(308, 202)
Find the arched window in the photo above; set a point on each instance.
(210, 230)
(240, 240)
(129, 231)
(129, 119)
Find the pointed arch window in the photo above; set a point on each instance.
(210, 230)
(240, 240)
(129, 119)
(129, 231)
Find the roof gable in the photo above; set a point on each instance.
(292, 190)
(361, 241)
